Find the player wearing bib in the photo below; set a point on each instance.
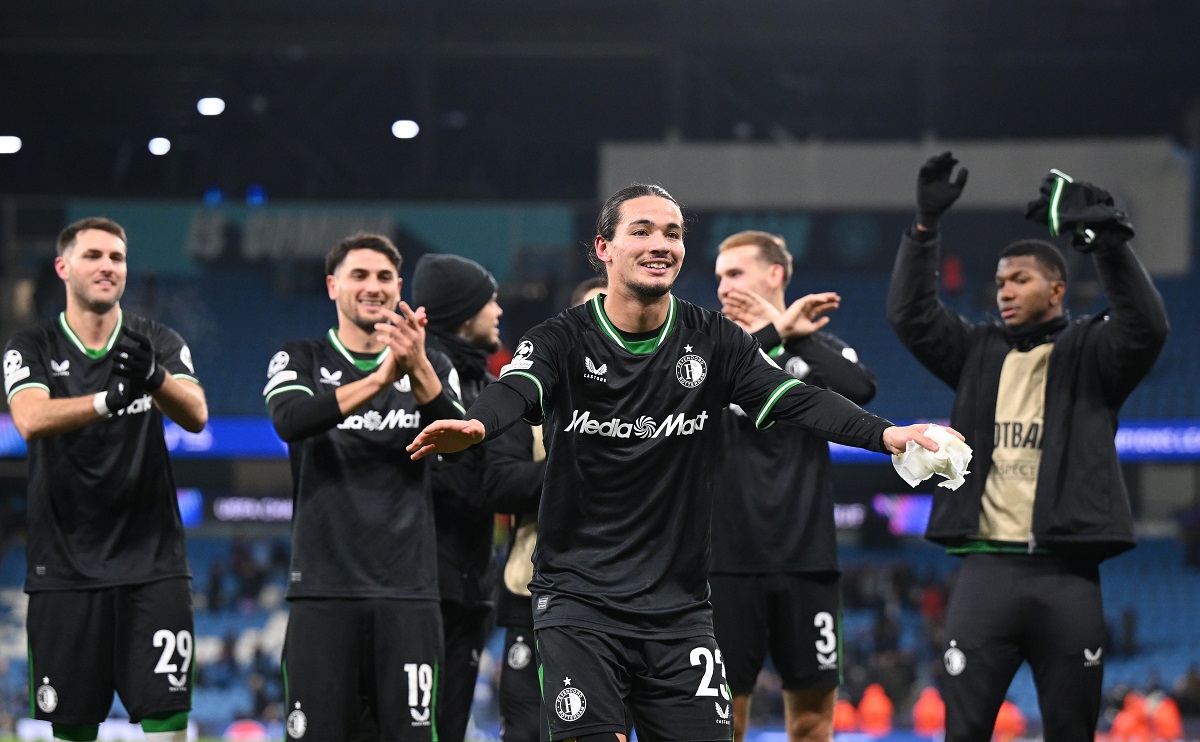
(364, 624)
(1040, 393)
(629, 387)
(774, 577)
(109, 584)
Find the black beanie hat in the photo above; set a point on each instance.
(452, 289)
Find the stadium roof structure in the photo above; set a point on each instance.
(511, 98)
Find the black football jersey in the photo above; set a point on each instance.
(102, 507)
(773, 503)
(633, 433)
(362, 517)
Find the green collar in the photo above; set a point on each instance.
(637, 347)
(362, 364)
(98, 353)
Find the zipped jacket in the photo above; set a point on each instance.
(1081, 507)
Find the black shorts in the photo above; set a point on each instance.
(343, 658)
(796, 616)
(135, 639)
(675, 689)
(520, 693)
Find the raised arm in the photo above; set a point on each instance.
(1133, 335)
(935, 335)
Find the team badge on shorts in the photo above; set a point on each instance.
(571, 703)
(954, 659)
(47, 697)
(690, 369)
(297, 723)
(519, 654)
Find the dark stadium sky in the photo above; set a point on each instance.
(513, 97)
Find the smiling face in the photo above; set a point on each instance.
(363, 285)
(646, 251)
(1025, 293)
(94, 270)
(744, 268)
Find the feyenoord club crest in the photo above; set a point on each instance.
(691, 369)
(519, 655)
(570, 704)
(297, 723)
(954, 659)
(47, 697)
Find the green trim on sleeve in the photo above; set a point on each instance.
(536, 382)
(31, 385)
(290, 388)
(192, 379)
(773, 399)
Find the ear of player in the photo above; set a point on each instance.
(133, 358)
(1082, 209)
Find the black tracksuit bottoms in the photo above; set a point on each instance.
(1008, 608)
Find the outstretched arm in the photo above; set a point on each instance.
(446, 436)
(895, 438)
(495, 410)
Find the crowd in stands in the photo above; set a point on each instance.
(894, 603)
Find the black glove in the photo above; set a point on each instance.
(1082, 209)
(935, 191)
(119, 393)
(133, 358)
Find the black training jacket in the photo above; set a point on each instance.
(1081, 506)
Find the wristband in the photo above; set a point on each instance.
(100, 405)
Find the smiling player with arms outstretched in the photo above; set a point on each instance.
(629, 386)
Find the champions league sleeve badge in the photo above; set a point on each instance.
(279, 362)
(520, 359)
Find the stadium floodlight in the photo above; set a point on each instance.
(405, 129)
(160, 146)
(210, 106)
(9, 145)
